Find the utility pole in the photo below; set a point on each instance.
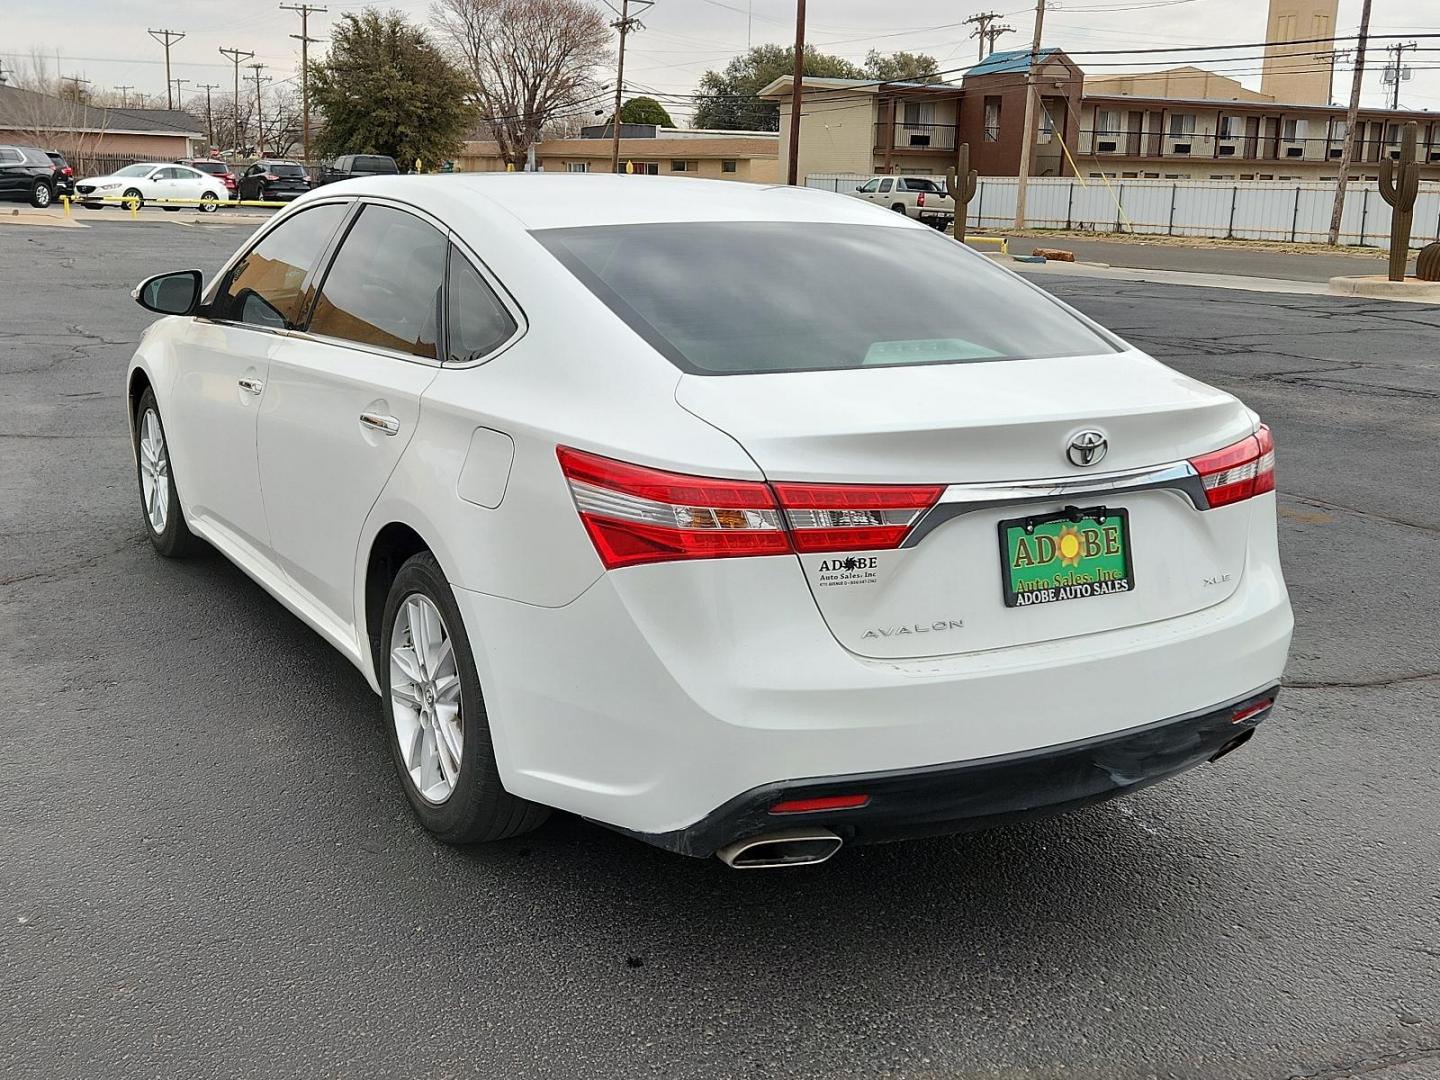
(1352, 116)
(178, 83)
(1395, 73)
(982, 23)
(75, 82)
(797, 94)
(305, 39)
(624, 24)
(235, 56)
(124, 95)
(992, 33)
(209, 116)
(167, 38)
(1027, 135)
(259, 111)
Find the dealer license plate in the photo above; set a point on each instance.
(1071, 555)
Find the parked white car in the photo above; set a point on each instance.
(157, 182)
(636, 500)
(921, 197)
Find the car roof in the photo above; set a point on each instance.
(562, 200)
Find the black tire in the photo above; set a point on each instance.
(208, 202)
(42, 194)
(171, 209)
(93, 206)
(898, 207)
(133, 196)
(479, 809)
(175, 540)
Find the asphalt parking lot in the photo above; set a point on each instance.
(207, 868)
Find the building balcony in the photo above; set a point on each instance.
(903, 136)
(1259, 146)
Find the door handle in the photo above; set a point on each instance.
(252, 386)
(386, 425)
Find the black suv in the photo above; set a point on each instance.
(274, 181)
(349, 166)
(64, 175)
(26, 173)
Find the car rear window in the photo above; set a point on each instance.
(913, 184)
(732, 298)
(280, 169)
(215, 168)
(371, 164)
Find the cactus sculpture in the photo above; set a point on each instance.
(1427, 263)
(960, 182)
(1400, 191)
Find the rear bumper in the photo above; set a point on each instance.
(968, 795)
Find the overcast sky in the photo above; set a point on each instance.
(105, 40)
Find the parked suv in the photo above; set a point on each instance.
(348, 166)
(64, 175)
(918, 197)
(274, 181)
(216, 168)
(27, 173)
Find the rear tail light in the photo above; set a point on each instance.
(640, 515)
(853, 517)
(1239, 471)
(68, 171)
(920, 199)
(1247, 712)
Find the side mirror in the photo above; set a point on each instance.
(176, 293)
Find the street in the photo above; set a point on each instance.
(208, 869)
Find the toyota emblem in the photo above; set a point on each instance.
(1087, 448)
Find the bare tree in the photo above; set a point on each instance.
(54, 119)
(282, 122)
(534, 62)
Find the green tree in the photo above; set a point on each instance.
(901, 67)
(645, 110)
(385, 88)
(729, 99)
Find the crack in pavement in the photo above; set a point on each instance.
(1370, 1066)
(1360, 684)
(1325, 504)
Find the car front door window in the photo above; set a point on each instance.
(267, 286)
(383, 286)
(885, 186)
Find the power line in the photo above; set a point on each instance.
(259, 110)
(236, 56)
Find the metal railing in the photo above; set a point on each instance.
(914, 136)
(1242, 145)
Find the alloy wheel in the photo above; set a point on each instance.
(154, 471)
(425, 698)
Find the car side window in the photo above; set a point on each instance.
(870, 185)
(886, 185)
(167, 174)
(478, 323)
(264, 287)
(10, 157)
(383, 286)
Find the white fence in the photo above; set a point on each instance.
(1244, 210)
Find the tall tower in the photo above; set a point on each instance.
(1298, 74)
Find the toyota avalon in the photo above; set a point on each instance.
(748, 521)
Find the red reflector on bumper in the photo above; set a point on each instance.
(1248, 711)
(824, 802)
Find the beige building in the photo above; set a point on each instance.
(91, 137)
(720, 156)
(1188, 82)
(1295, 74)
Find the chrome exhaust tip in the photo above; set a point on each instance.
(793, 847)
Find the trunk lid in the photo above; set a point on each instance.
(989, 423)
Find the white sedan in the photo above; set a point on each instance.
(650, 503)
(156, 182)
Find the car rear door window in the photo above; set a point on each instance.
(264, 287)
(478, 323)
(383, 286)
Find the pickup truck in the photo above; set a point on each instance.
(349, 166)
(918, 197)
